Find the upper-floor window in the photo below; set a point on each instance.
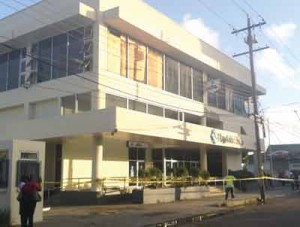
(117, 53)
(197, 85)
(59, 56)
(185, 81)
(237, 105)
(216, 95)
(171, 76)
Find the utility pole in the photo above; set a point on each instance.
(250, 40)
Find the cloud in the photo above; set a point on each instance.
(284, 124)
(197, 27)
(271, 62)
(281, 32)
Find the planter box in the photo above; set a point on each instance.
(167, 195)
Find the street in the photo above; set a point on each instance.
(276, 213)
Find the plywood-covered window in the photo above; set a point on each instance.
(116, 53)
(155, 68)
(137, 61)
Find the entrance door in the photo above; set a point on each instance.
(136, 161)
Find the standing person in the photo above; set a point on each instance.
(28, 202)
(229, 185)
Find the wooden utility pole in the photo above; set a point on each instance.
(250, 40)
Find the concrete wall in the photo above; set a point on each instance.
(115, 159)
(77, 161)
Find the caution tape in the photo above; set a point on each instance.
(109, 182)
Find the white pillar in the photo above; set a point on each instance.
(164, 166)
(97, 161)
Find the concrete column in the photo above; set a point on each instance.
(164, 166)
(97, 161)
(203, 157)
(148, 158)
(224, 163)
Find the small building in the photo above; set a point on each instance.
(113, 88)
(283, 158)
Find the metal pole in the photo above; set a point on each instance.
(253, 79)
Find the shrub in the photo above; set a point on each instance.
(154, 172)
(181, 172)
(195, 172)
(204, 174)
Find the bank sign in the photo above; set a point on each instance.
(223, 138)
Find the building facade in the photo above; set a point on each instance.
(114, 87)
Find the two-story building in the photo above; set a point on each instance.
(113, 87)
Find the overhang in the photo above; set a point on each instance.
(115, 121)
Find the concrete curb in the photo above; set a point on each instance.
(231, 204)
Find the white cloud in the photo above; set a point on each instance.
(281, 32)
(271, 62)
(197, 27)
(284, 124)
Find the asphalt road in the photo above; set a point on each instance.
(283, 212)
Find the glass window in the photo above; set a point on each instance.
(191, 118)
(155, 110)
(3, 71)
(28, 168)
(59, 56)
(239, 105)
(155, 68)
(136, 153)
(138, 106)
(171, 114)
(197, 85)
(137, 61)
(116, 56)
(4, 168)
(84, 102)
(44, 63)
(185, 81)
(221, 99)
(157, 154)
(76, 51)
(68, 105)
(171, 75)
(113, 101)
(88, 48)
(13, 70)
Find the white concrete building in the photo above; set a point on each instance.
(115, 86)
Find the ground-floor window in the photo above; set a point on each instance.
(175, 159)
(136, 161)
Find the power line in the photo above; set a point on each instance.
(89, 79)
(242, 92)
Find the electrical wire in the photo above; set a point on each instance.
(85, 78)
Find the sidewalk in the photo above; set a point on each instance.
(149, 215)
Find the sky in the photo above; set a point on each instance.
(277, 68)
